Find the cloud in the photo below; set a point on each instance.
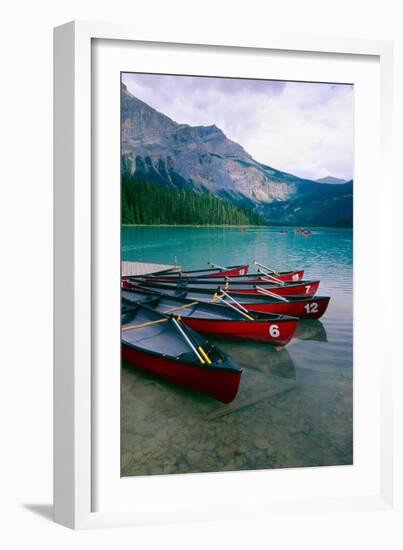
(302, 128)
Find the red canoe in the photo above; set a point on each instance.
(304, 307)
(166, 348)
(214, 272)
(300, 288)
(218, 320)
(285, 276)
(231, 271)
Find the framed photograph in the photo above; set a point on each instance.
(214, 287)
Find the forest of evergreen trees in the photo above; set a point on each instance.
(148, 203)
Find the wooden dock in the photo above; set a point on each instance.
(141, 268)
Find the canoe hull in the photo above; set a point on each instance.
(304, 309)
(235, 271)
(307, 288)
(241, 270)
(289, 277)
(277, 333)
(309, 307)
(292, 276)
(215, 320)
(222, 384)
(230, 271)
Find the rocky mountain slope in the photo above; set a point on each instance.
(201, 158)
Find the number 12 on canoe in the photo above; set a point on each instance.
(311, 308)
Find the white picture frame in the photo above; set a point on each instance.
(80, 429)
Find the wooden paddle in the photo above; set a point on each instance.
(240, 309)
(147, 324)
(271, 277)
(215, 266)
(266, 267)
(199, 352)
(181, 307)
(272, 294)
(165, 313)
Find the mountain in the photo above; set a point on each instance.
(332, 208)
(331, 179)
(155, 149)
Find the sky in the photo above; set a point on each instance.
(302, 128)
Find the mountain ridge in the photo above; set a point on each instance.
(203, 159)
(331, 179)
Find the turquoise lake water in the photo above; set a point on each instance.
(294, 407)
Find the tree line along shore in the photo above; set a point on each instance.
(145, 203)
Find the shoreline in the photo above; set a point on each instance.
(234, 226)
(184, 225)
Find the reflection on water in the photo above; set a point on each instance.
(260, 357)
(294, 406)
(311, 329)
